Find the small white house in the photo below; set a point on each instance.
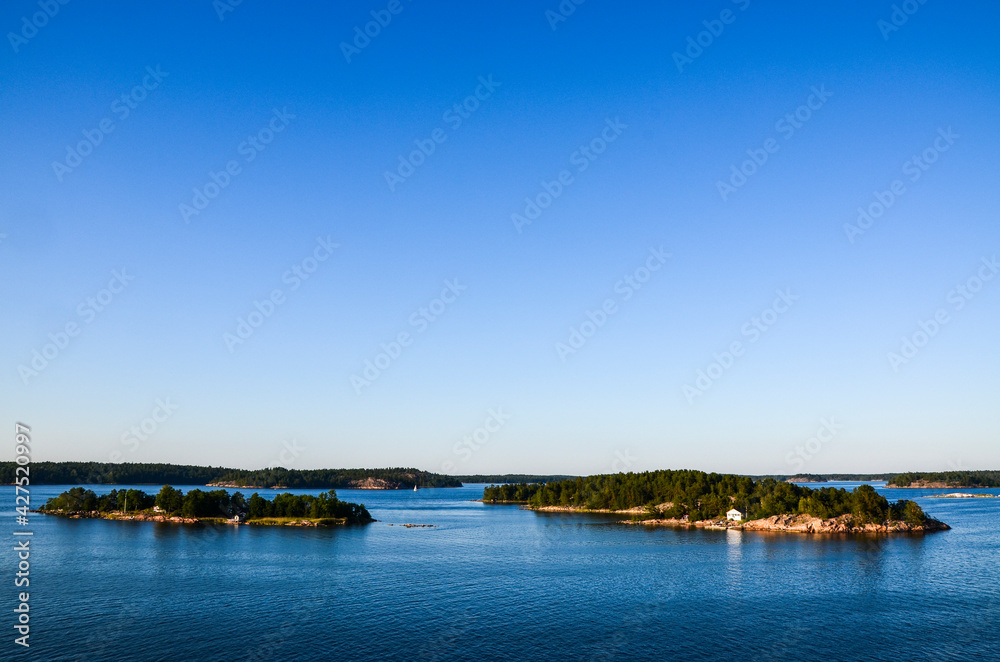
(734, 515)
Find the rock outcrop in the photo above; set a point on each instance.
(805, 524)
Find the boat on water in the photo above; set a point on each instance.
(414, 488)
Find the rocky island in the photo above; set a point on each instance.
(805, 524)
(721, 501)
(215, 507)
(946, 480)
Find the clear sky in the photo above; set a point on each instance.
(579, 174)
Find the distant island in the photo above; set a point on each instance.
(216, 506)
(144, 473)
(141, 473)
(824, 478)
(696, 498)
(806, 479)
(512, 478)
(946, 479)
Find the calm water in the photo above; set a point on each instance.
(499, 583)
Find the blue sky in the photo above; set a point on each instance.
(310, 136)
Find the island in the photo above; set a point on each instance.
(946, 479)
(698, 499)
(214, 507)
(143, 473)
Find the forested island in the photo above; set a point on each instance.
(702, 499)
(215, 506)
(357, 479)
(946, 479)
(825, 478)
(142, 473)
(512, 478)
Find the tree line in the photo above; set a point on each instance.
(950, 478)
(700, 496)
(822, 478)
(396, 478)
(214, 503)
(111, 473)
(139, 473)
(510, 478)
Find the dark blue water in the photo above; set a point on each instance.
(500, 583)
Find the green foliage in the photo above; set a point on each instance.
(169, 499)
(333, 478)
(949, 478)
(76, 499)
(700, 496)
(109, 473)
(126, 473)
(868, 506)
(510, 492)
(216, 503)
(907, 511)
(509, 478)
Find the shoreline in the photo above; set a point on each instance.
(368, 484)
(802, 524)
(776, 523)
(924, 485)
(119, 516)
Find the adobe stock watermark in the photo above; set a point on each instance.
(381, 18)
(753, 330)
(581, 158)
(87, 311)
(290, 451)
(901, 13)
(31, 25)
(562, 12)
(624, 462)
(786, 128)
(827, 430)
(269, 647)
(958, 297)
(714, 28)
(453, 117)
(482, 435)
(913, 168)
(122, 107)
(223, 7)
(132, 438)
(249, 149)
(420, 320)
(293, 277)
(625, 287)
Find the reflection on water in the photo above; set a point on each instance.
(497, 582)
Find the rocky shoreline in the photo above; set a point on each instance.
(570, 509)
(176, 519)
(932, 485)
(363, 484)
(803, 524)
(780, 523)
